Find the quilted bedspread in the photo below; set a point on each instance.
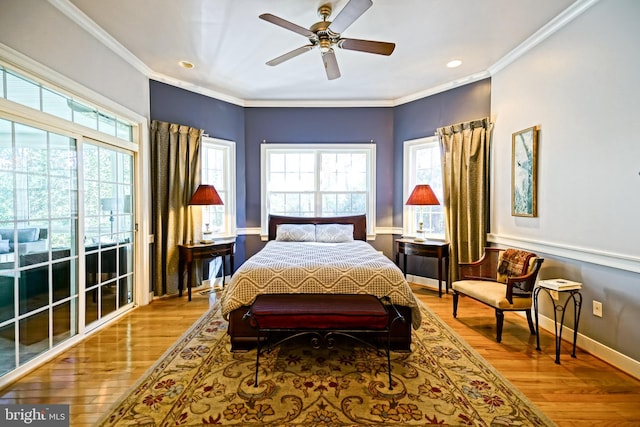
(316, 268)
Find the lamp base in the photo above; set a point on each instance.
(207, 241)
(419, 239)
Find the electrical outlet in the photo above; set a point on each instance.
(597, 308)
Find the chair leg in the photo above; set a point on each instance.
(499, 323)
(530, 320)
(455, 304)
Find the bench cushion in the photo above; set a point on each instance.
(491, 293)
(319, 311)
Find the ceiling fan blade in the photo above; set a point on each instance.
(370, 46)
(349, 14)
(287, 25)
(287, 56)
(330, 64)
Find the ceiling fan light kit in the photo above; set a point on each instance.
(326, 35)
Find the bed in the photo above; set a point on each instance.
(317, 256)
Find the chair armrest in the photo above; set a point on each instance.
(524, 283)
(486, 279)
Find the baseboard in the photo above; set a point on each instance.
(595, 348)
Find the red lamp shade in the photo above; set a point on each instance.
(422, 195)
(206, 195)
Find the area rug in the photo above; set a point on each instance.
(442, 381)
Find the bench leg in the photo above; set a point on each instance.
(499, 323)
(258, 349)
(455, 304)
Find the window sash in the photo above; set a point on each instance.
(218, 169)
(423, 165)
(318, 180)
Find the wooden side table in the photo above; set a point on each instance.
(188, 253)
(431, 249)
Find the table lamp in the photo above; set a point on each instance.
(422, 195)
(206, 195)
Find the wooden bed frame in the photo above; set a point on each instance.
(244, 336)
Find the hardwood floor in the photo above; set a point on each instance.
(93, 374)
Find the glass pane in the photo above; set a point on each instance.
(125, 131)
(7, 348)
(6, 198)
(2, 74)
(65, 321)
(34, 336)
(109, 297)
(85, 116)
(125, 291)
(31, 149)
(125, 261)
(38, 200)
(23, 91)
(7, 293)
(91, 306)
(33, 289)
(91, 267)
(106, 124)
(91, 162)
(6, 146)
(56, 104)
(63, 286)
(108, 163)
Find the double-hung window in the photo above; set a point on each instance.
(318, 180)
(423, 165)
(218, 169)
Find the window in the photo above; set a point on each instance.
(423, 165)
(318, 180)
(218, 169)
(30, 93)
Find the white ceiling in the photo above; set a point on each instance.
(229, 45)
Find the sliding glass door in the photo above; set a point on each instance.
(108, 231)
(66, 238)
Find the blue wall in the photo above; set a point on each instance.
(388, 127)
(421, 118)
(320, 125)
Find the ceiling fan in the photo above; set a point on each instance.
(327, 35)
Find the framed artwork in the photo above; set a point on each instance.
(524, 159)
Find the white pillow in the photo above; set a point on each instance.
(296, 233)
(334, 233)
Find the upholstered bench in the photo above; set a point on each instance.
(323, 316)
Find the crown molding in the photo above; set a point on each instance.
(551, 27)
(197, 89)
(89, 25)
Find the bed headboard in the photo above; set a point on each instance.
(359, 223)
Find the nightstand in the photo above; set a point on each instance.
(428, 248)
(188, 253)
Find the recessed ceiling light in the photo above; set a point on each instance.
(186, 64)
(455, 63)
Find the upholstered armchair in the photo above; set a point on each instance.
(501, 279)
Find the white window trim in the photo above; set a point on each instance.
(368, 148)
(409, 225)
(230, 178)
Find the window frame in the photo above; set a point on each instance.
(229, 178)
(317, 149)
(410, 179)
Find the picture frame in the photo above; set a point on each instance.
(524, 166)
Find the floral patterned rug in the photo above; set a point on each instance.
(441, 382)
